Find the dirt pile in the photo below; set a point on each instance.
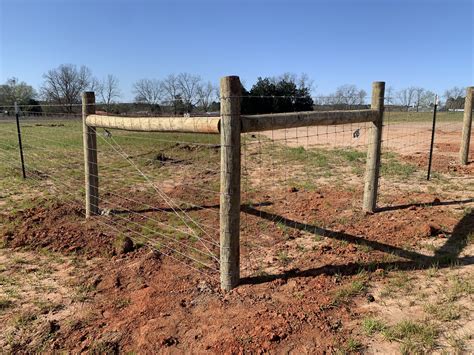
(57, 227)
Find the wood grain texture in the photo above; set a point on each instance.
(230, 183)
(467, 126)
(156, 124)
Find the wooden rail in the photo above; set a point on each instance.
(156, 124)
(250, 123)
(266, 122)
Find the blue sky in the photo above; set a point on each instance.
(418, 42)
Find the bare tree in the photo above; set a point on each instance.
(389, 95)
(418, 94)
(454, 98)
(15, 91)
(206, 93)
(305, 82)
(149, 91)
(65, 84)
(347, 95)
(454, 93)
(172, 92)
(406, 96)
(188, 85)
(109, 90)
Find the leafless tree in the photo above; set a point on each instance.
(389, 95)
(64, 85)
(172, 92)
(406, 96)
(418, 94)
(454, 98)
(149, 91)
(305, 82)
(347, 95)
(109, 90)
(188, 85)
(454, 93)
(206, 93)
(15, 91)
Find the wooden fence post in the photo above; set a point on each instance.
(467, 126)
(230, 182)
(374, 149)
(91, 170)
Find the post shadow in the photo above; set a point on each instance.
(421, 204)
(443, 257)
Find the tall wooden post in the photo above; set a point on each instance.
(91, 170)
(467, 126)
(374, 149)
(230, 182)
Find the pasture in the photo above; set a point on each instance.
(311, 258)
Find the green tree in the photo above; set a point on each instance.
(282, 94)
(15, 91)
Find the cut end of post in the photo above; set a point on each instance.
(378, 96)
(88, 102)
(230, 86)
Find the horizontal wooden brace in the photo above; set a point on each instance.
(156, 124)
(266, 122)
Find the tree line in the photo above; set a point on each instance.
(184, 93)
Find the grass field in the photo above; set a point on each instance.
(395, 117)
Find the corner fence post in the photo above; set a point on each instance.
(91, 170)
(467, 126)
(230, 129)
(374, 149)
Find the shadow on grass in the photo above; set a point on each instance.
(445, 256)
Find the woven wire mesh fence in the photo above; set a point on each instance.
(286, 175)
(161, 190)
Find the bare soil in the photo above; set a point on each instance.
(314, 265)
(407, 138)
(294, 298)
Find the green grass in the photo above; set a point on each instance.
(353, 345)
(393, 167)
(400, 282)
(283, 257)
(396, 117)
(443, 312)
(355, 288)
(318, 157)
(458, 287)
(55, 154)
(414, 337)
(372, 325)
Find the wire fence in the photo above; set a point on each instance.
(162, 189)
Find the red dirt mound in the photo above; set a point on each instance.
(147, 302)
(58, 227)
